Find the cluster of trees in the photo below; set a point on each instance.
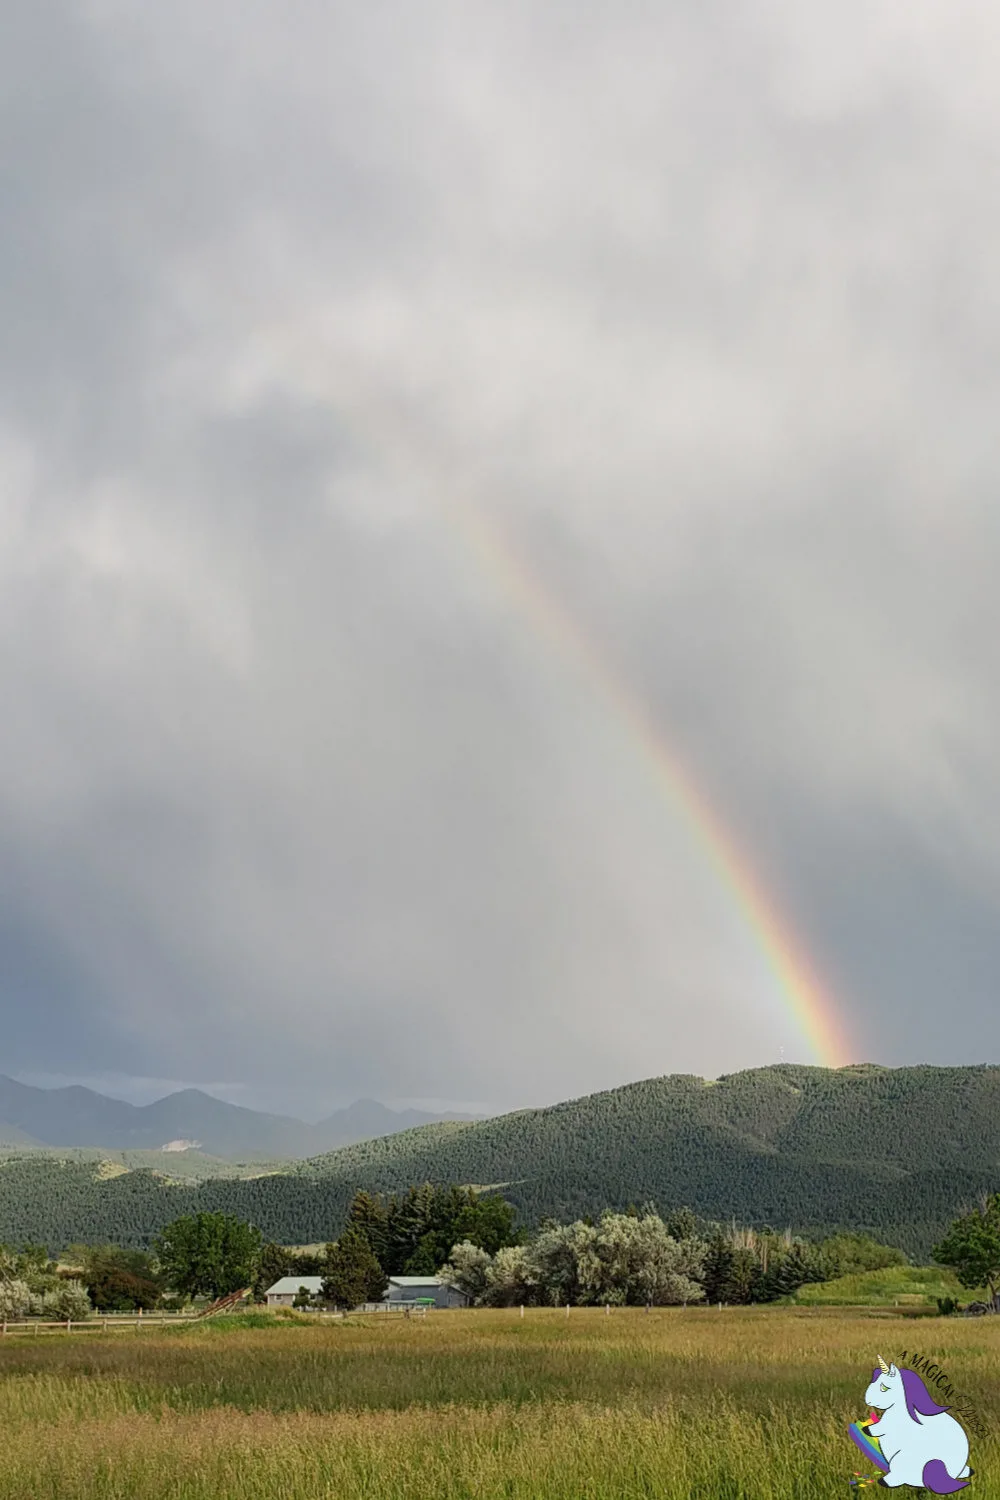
(119, 1280)
(640, 1258)
(32, 1284)
(412, 1234)
(472, 1239)
(761, 1265)
(102, 1277)
(210, 1254)
(625, 1259)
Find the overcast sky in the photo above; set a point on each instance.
(308, 312)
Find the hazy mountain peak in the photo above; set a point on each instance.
(74, 1116)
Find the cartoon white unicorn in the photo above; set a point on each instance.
(921, 1443)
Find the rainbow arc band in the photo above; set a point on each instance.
(387, 428)
(806, 1000)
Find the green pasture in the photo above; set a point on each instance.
(903, 1286)
(676, 1404)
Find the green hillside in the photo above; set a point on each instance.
(895, 1286)
(894, 1152)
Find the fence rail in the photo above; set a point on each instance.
(103, 1322)
(393, 1307)
(96, 1320)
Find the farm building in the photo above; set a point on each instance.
(424, 1289)
(285, 1291)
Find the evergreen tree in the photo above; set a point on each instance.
(717, 1265)
(681, 1224)
(305, 1263)
(369, 1213)
(352, 1275)
(744, 1282)
(426, 1258)
(274, 1263)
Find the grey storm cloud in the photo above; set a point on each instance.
(309, 312)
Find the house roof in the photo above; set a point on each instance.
(415, 1281)
(289, 1285)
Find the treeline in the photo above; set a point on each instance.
(471, 1239)
(640, 1259)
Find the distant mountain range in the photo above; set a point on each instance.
(897, 1152)
(187, 1120)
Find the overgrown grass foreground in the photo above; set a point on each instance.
(677, 1404)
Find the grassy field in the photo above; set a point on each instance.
(675, 1404)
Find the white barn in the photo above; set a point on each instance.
(284, 1292)
(424, 1289)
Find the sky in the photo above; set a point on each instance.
(347, 348)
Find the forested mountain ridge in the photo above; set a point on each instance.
(895, 1152)
(888, 1121)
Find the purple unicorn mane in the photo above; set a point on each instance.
(919, 1401)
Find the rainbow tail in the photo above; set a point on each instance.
(869, 1446)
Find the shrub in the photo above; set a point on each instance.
(67, 1301)
(15, 1299)
(120, 1280)
(467, 1270)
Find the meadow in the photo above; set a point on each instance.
(894, 1286)
(674, 1403)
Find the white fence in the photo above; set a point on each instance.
(396, 1307)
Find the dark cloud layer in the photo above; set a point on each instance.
(697, 307)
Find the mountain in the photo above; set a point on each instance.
(894, 1152)
(12, 1136)
(366, 1119)
(78, 1116)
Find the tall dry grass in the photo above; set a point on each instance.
(672, 1404)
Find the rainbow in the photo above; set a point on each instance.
(805, 999)
(807, 1002)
